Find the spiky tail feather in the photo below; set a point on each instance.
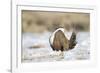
(72, 41)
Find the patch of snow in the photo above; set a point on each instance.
(80, 52)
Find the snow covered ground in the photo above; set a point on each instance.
(42, 51)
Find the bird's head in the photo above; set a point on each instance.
(62, 29)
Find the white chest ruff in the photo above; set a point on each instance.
(53, 34)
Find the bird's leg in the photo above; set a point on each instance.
(61, 53)
(56, 53)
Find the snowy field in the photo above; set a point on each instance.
(36, 48)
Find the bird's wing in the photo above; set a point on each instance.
(72, 41)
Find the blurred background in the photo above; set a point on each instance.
(40, 21)
(37, 27)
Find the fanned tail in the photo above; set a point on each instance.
(72, 41)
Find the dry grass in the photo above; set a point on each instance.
(36, 21)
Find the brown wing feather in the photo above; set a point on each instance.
(72, 41)
(56, 41)
(60, 41)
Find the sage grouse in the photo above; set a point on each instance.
(60, 42)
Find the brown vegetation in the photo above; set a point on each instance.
(38, 21)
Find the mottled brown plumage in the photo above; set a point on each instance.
(72, 41)
(61, 42)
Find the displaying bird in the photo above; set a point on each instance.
(60, 42)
